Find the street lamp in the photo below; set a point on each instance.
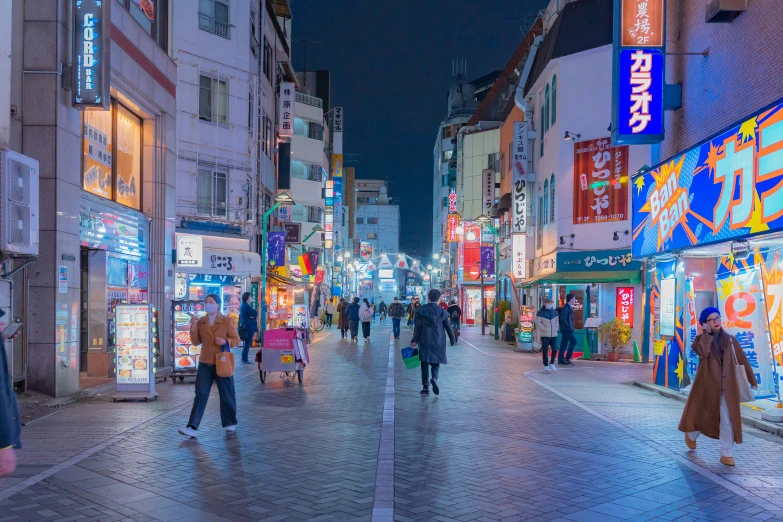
(485, 221)
(282, 199)
(435, 256)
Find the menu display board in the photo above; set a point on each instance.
(185, 354)
(133, 343)
(526, 319)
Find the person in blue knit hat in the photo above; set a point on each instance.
(713, 407)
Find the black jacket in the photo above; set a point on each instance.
(396, 310)
(248, 317)
(567, 318)
(454, 308)
(10, 421)
(432, 324)
(382, 307)
(353, 312)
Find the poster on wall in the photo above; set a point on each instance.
(743, 315)
(600, 182)
(666, 319)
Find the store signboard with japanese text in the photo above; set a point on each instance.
(103, 226)
(520, 168)
(275, 248)
(91, 54)
(639, 66)
(286, 109)
(133, 344)
(292, 232)
(518, 256)
(600, 182)
(452, 201)
(488, 260)
(452, 223)
(487, 191)
(284, 213)
(729, 187)
(624, 304)
(596, 260)
(668, 307)
(743, 316)
(337, 133)
(189, 250)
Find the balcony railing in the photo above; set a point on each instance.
(309, 100)
(214, 26)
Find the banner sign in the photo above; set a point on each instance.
(91, 55)
(729, 187)
(518, 261)
(521, 167)
(337, 165)
(668, 307)
(385, 262)
(743, 314)
(275, 250)
(600, 182)
(286, 109)
(365, 250)
(691, 327)
(292, 232)
(452, 222)
(773, 288)
(337, 135)
(487, 190)
(402, 262)
(624, 303)
(527, 317)
(453, 201)
(488, 260)
(638, 86)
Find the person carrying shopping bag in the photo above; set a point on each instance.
(723, 380)
(248, 324)
(432, 325)
(215, 333)
(366, 314)
(547, 325)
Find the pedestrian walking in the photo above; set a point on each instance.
(372, 305)
(396, 312)
(382, 309)
(432, 325)
(248, 325)
(342, 317)
(443, 304)
(353, 319)
(547, 325)
(214, 332)
(10, 420)
(713, 406)
(568, 340)
(366, 314)
(455, 315)
(412, 309)
(329, 313)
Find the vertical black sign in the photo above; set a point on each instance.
(91, 50)
(284, 166)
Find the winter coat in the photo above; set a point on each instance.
(567, 319)
(454, 308)
(353, 312)
(396, 310)
(382, 307)
(10, 420)
(342, 310)
(329, 308)
(432, 324)
(248, 319)
(365, 313)
(547, 322)
(713, 376)
(204, 334)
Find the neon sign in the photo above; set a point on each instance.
(90, 71)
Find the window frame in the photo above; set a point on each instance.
(158, 26)
(546, 108)
(546, 201)
(541, 133)
(214, 173)
(214, 100)
(212, 17)
(114, 104)
(371, 222)
(554, 100)
(540, 224)
(552, 198)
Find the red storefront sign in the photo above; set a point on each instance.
(452, 223)
(624, 304)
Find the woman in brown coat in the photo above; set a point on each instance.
(214, 332)
(713, 407)
(342, 319)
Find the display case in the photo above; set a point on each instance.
(184, 354)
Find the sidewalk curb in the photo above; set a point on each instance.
(769, 427)
(81, 394)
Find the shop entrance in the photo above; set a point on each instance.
(579, 312)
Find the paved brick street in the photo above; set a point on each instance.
(502, 441)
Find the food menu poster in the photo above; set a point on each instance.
(133, 344)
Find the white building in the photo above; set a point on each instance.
(378, 232)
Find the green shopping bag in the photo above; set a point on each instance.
(410, 356)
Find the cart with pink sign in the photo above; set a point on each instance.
(284, 351)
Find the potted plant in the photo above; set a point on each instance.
(616, 334)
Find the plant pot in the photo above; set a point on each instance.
(613, 356)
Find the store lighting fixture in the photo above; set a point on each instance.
(740, 250)
(571, 136)
(616, 235)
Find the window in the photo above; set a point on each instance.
(152, 17)
(372, 220)
(554, 99)
(213, 17)
(250, 112)
(268, 60)
(546, 108)
(213, 100)
(448, 132)
(253, 37)
(502, 165)
(111, 165)
(315, 131)
(268, 137)
(314, 214)
(541, 133)
(493, 161)
(372, 235)
(552, 197)
(360, 221)
(545, 210)
(316, 173)
(540, 224)
(212, 192)
(447, 155)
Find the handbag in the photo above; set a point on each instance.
(224, 362)
(745, 393)
(242, 332)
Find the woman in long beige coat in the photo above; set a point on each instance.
(713, 407)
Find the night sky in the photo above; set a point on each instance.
(390, 64)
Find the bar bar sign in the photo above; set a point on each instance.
(91, 55)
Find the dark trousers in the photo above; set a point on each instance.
(568, 340)
(425, 380)
(343, 331)
(455, 324)
(546, 342)
(207, 374)
(354, 325)
(246, 348)
(396, 327)
(329, 320)
(366, 329)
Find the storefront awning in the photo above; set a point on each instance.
(505, 202)
(633, 277)
(277, 278)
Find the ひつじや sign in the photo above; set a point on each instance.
(624, 304)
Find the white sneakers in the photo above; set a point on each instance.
(231, 428)
(188, 432)
(552, 367)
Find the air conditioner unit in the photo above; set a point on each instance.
(18, 203)
(724, 11)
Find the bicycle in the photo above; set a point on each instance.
(316, 325)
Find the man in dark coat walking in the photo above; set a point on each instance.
(10, 421)
(353, 319)
(342, 317)
(431, 325)
(568, 339)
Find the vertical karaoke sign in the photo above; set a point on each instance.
(638, 77)
(90, 68)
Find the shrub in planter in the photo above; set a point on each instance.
(616, 334)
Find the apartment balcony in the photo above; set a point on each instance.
(308, 150)
(214, 26)
(309, 100)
